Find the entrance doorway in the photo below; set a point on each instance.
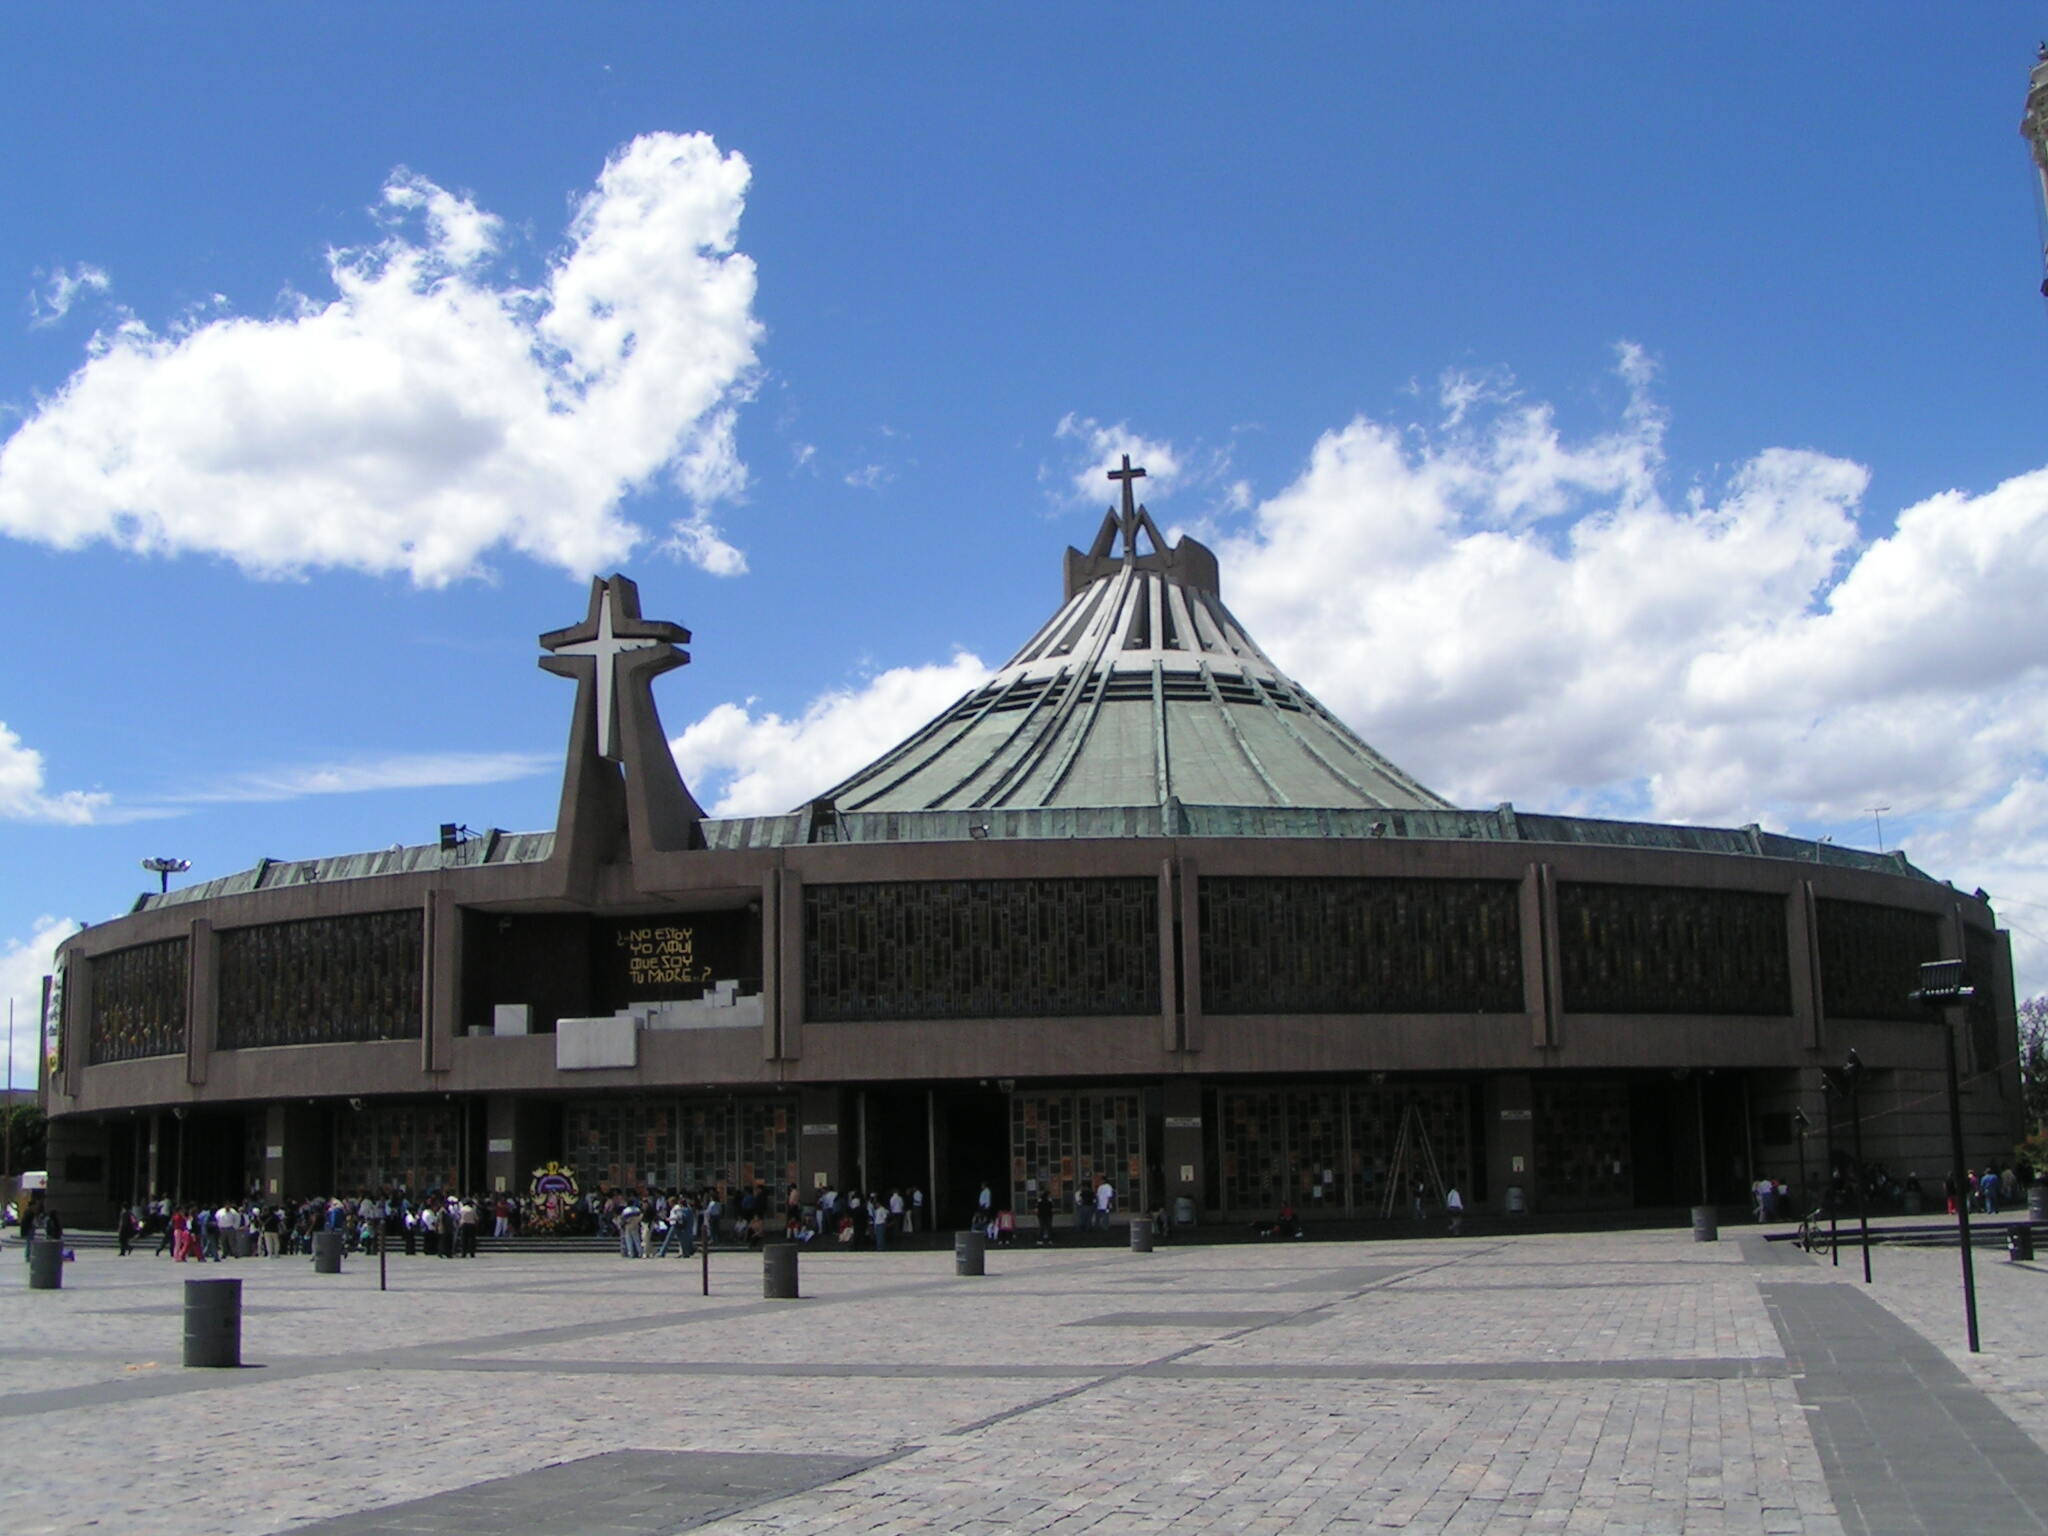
(973, 1131)
(1689, 1129)
(211, 1157)
(897, 1142)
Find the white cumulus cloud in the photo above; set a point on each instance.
(426, 414)
(22, 796)
(1512, 613)
(745, 764)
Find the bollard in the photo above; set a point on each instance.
(778, 1271)
(1141, 1234)
(1706, 1224)
(326, 1253)
(969, 1251)
(213, 1323)
(46, 1265)
(2019, 1244)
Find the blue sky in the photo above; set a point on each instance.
(1628, 414)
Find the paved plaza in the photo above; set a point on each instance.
(1613, 1382)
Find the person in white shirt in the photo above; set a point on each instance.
(1105, 1202)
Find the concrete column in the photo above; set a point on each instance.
(272, 1172)
(1508, 1103)
(296, 1159)
(1181, 1157)
(1540, 993)
(77, 1147)
(202, 999)
(1191, 957)
(789, 961)
(776, 1040)
(1169, 962)
(1802, 937)
(441, 987)
(823, 1136)
(501, 1144)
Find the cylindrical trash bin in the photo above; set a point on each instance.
(1706, 1224)
(1183, 1211)
(326, 1253)
(245, 1243)
(2019, 1243)
(1914, 1202)
(213, 1323)
(778, 1271)
(46, 1265)
(1516, 1204)
(1141, 1234)
(2037, 1202)
(969, 1250)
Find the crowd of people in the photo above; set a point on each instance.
(646, 1222)
(1988, 1191)
(200, 1232)
(653, 1223)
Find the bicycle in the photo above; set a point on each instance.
(1814, 1234)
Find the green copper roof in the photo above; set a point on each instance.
(1142, 690)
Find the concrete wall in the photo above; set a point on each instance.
(1180, 1045)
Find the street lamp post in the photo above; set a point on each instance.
(1845, 1081)
(1802, 1125)
(1942, 983)
(1827, 1106)
(163, 869)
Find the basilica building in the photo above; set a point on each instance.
(1137, 908)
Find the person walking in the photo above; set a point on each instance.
(1045, 1214)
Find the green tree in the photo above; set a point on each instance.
(22, 1126)
(2034, 1060)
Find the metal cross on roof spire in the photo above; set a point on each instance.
(1127, 519)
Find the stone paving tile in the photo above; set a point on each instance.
(472, 1371)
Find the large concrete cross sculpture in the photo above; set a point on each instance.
(613, 630)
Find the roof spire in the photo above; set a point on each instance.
(1127, 519)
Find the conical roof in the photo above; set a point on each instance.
(1142, 689)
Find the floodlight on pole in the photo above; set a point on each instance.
(1945, 984)
(1846, 1080)
(163, 869)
